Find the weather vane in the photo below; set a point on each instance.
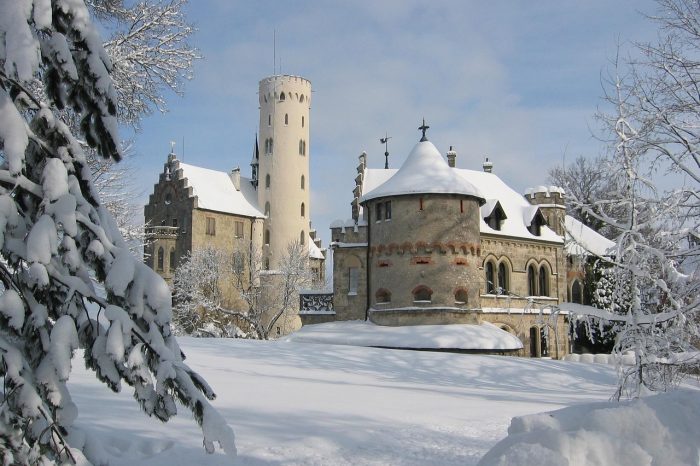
(423, 128)
(172, 147)
(385, 141)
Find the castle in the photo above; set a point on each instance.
(428, 243)
(432, 244)
(192, 207)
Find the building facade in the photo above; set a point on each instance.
(432, 244)
(193, 207)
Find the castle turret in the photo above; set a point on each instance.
(551, 201)
(283, 163)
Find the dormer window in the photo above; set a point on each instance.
(536, 222)
(493, 213)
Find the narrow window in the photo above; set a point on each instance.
(267, 181)
(172, 260)
(422, 294)
(461, 206)
(461, 296)
(302, 118)
(353, 280)
(420, 203)
(267, 237)
(161, 253)
(544, 343)
(301, 147)
(303, 182)
(269, 120)
(531, 281)
(544, 289)
(267, 209)
(286, 118)
(174, 222)
(266, 263)
(301, 237)
(239, 229)
(282, 96)
(378, 211)
(387, 210)
(303, 210)
(576, 292)
(211, 226)
(502, 278)
(383, 295)
(270, 145)
(301, 99)
(490, 282)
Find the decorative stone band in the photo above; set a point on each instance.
(425, 248)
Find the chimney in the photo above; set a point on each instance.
(451, 157)
(236, 178)
(488, 166)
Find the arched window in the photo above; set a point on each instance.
(267, 236)
(535, 342)
(267, 180)
(490, 279)
(286, 118)
(577, 292)
(171, 265)
(422, 293)
(282, 96)
(302, 117)
(531, 281)
(502, 277)
(301, 99)
(267, 209)
(303, 182)
(461, 296)
(544, 289)
(161, 253)
(303, 210)
(301, 147)
(269, 120)
(383, 295)
(301, 237)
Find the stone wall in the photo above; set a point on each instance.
(431, 243)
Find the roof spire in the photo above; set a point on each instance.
(423, 128)
(385, 141)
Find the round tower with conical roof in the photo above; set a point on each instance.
(283, 165)
(424, 243)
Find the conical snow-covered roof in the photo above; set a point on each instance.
(424, 172)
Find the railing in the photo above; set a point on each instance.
(162, 231)
(316, 303)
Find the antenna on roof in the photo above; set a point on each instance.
(274, 52)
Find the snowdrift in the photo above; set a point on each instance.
(658, 430)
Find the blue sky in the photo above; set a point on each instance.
(518, 82)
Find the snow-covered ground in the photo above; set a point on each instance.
(292, 403)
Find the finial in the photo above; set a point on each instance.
(423, 128)
(385, 141)
(172, 147)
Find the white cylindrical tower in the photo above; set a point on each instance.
(283, 186)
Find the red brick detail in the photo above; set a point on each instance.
(384, 263)
(421, 260)
(460, 261)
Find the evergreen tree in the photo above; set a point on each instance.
(57, 240)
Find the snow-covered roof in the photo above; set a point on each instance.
(215, 191)
(490, 187)
(583, 241)
(424, 171)
(314, 251)
(362, 333)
